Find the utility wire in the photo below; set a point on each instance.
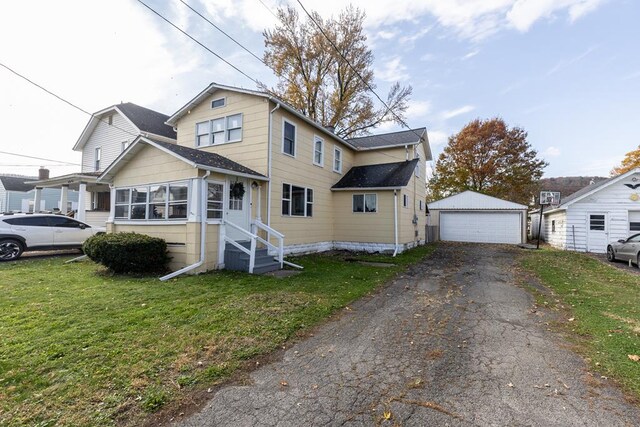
(40, 158)
(268, 8)
(202, 45)
(398, 118)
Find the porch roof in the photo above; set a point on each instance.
(73, 180)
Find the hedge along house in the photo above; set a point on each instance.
(251, 175)
(589, 219)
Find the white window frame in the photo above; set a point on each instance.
(224, 102)
(295, 138)
(405, 200)
(317, 139)
(225, 130)
(338, 169)
(148, 203)
(307, 202)
(97, 158)
(223, 202)
(364, 203)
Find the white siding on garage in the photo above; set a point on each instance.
(109, 138)
(481, 227)
(557, 238)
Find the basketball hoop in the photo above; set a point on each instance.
(549, 198)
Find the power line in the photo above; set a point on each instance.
(268, 8)
(223, 32)
(202, 45)
(63, 100)
(398, 118)
(41, 158)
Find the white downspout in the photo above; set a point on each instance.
(395, 221)
(270, 143)
(203, 233)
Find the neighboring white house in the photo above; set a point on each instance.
(18, 196)
(107, 134)
(587, 220)
(475, 217)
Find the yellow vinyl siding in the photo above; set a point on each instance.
(364, 227)
(251, 151)
(387, 155)
(152, 165)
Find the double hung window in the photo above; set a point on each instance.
(297, 201)
(219, 131)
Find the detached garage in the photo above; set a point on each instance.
(477, 218)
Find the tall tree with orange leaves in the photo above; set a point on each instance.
(631, 161)
(488, 157)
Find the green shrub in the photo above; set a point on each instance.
(128, 252)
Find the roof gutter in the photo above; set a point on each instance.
(229, 172)
(367, 189)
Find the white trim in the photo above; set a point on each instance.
(206, 195)
(93, 122)
(383, 147)
(316, 138)
(225, 131)
(117, 221)
(295, 138)
(333, 166)
(364, 203)
(290, 200)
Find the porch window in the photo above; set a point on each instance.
(153, 202)
(365, 203)
(289, 138)
(219, 131)
(318, 151)
(596, 222)
(297, 201)
(214, 200)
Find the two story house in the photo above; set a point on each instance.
(107, 134)
(249, 171)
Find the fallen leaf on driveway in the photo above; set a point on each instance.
(284, 383)
(510, 385)
(634, 357)
(386, 415)
(571, 319)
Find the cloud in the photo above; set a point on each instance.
(568, 62)
(437, 137)
(524, 13)
(449, 114)
(418, 109)
(470, 54)
(551, 152)
(393, 70)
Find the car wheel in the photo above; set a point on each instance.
(611, 256)
(10, 249)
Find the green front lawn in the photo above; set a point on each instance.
(604, 302)
(79, 347)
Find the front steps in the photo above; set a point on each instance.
(235, 259)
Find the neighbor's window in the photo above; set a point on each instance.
(289, 138)
(154, 202)
(219, 131)
(634, 226)
(337, 160)
(596, 222)
(405, 201)
(297, 201)
(214, 200)
(98, 157)
(217, 103)
(318, 151)
(366, 203)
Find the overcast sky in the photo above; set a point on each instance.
(567, 71)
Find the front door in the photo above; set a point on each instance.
(237, 207)
(597, 232)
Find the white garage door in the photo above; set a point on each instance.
(481, 227)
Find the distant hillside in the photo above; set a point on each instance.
(568, 185)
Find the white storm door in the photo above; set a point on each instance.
(237, 210)
(597, 232)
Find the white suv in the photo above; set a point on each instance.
(38, 232)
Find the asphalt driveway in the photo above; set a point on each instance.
(453, 342)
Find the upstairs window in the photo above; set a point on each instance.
(289, 138)
(217, 103)
(337, 160)
(98, 157)
(219, 131)
(318, 151)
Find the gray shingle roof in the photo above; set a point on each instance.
(147, 120)
(17, 183)
(392, 175)
(389, 139)
(205, 158)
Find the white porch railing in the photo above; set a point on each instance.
(251, 251)
(255, 225)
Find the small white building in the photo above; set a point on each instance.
(475, 217)
(587, 220)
